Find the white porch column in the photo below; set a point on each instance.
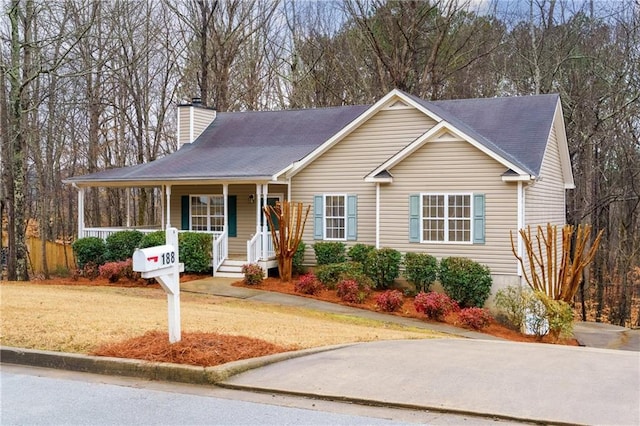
(167, 191)
(128, 206)
(225, 196)
(258, 209)
(161, 204)
(80, 212)
(377, 215)
(265, 223)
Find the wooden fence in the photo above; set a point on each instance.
(59, 256)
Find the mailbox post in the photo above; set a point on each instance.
(162, 263)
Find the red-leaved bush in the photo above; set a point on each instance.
(351, 292)
(308, 284)
(253, 273)
(435, 305)
(389, 301)
(113, 271)
(475, 318)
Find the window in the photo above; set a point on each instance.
(447, 218)
(334, 217)
(207, 213)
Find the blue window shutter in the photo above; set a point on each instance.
(352, 217)
(414, 218)
(232, 211)
(318, 217)
(478, 218)
(185, 212)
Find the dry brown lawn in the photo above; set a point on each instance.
(79, 319)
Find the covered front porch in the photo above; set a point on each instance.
(231, 212)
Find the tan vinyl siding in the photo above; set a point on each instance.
(342, 168)
(246, 212)
(452, 167)
(202, 117)
(184, 123)
(545, 200)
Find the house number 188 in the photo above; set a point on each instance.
(168, 257)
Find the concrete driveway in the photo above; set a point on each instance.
(523, 381)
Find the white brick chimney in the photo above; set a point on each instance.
(193, 118)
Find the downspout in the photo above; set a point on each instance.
(521, 208)
(377, 215)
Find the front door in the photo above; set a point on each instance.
(271, 201)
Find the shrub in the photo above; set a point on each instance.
(253, 273)
(155, 238)
(435, 305)
(512, 304)
(110, 271)
(475, 318)
(465, 281)
(195, 251)
(113, 271)
(350, 291)
(359, 252)
(421, 269)
(309, 284)
(328, 252)
(331, 274)
(559, 315)
(122, 244)
(91, 270)
(298, 258)
(390, 300)
(89, 250)
(383, 266)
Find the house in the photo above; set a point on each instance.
(449, 178)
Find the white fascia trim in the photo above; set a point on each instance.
(519, 178)
(381, 104)
(443, 125)
(277, 175)
(378, 180)
(563, 147)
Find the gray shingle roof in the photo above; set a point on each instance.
(516, 128)
(245, 145)
(241, 145)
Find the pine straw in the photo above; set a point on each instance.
(201, 349)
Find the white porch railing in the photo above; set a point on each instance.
(103, 233)
(220, 250)
(254, 247)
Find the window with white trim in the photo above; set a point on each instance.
(335, 217)
(207, 213)
(446, 217)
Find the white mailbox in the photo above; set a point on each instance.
(154, 258)
(162, 263)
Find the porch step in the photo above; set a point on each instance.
(231, 269)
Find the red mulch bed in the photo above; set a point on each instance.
(202, 349)
(407, 310)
